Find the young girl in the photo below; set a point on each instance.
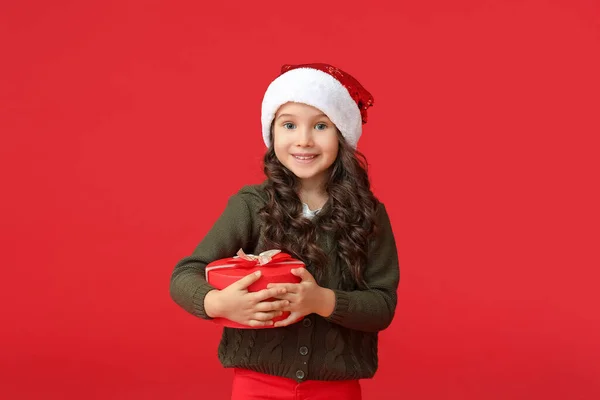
(316, 205)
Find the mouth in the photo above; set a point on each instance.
(304, 158)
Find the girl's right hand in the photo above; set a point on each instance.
(237, 304)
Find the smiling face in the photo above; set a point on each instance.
(305, 142)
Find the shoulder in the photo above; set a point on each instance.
(380, 209)
(383, 223)
(253, 196)
(240, 213)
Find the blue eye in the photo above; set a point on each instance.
(286, 125)
(323, 125)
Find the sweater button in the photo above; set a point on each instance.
(300, 374)
(303, 350)
(307, 322)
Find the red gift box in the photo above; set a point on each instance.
(275, 267)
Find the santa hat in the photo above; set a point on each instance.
(333, 91)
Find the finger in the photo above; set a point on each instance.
(247, 280)
(290, 297)
(255, 323)
(275, 285)
(266, 316)
(267, 294)
(272, 305)
(303, 274)
(290, 319)
(289, 287)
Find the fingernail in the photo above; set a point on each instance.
(257, 273)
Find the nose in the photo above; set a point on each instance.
(304, 137)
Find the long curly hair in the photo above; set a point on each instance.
(349, 213)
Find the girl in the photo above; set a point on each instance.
(315, 204)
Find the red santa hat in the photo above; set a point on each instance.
(336, 93)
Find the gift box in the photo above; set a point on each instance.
(275, 267)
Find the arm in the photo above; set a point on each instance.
(373, 309)
(231, 231)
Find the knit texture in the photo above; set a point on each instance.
(341, 346)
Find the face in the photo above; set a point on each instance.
(305, 141)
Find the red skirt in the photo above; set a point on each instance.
(250, 385)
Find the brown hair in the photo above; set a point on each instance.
(349, 213)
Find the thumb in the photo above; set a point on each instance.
(303, 274)
(247, 280)
(290, 319)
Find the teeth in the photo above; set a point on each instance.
(304, 158)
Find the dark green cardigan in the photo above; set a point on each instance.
(342, 346)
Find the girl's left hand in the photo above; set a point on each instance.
(305, 297)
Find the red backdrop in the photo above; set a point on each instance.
(126, 125)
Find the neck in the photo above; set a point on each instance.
(313, 194)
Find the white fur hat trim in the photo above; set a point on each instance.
(318, 89)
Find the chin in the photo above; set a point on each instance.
(301, 175)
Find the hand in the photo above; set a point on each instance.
(237, 304)
(304, 298)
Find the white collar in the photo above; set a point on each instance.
(307, 212)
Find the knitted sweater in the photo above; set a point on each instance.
(341, 346)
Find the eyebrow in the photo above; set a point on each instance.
(292, 115)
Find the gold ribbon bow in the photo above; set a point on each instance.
(263, 258)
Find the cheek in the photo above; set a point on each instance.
(277, 150)
(334, 153)
(280, 137)
(331, 145)
(276, 141)
(279, 146)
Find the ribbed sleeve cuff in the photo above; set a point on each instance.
(340, 311)
(198, 300)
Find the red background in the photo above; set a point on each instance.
(126, 125)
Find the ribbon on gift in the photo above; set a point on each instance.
(263, 258)
(243, 260)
